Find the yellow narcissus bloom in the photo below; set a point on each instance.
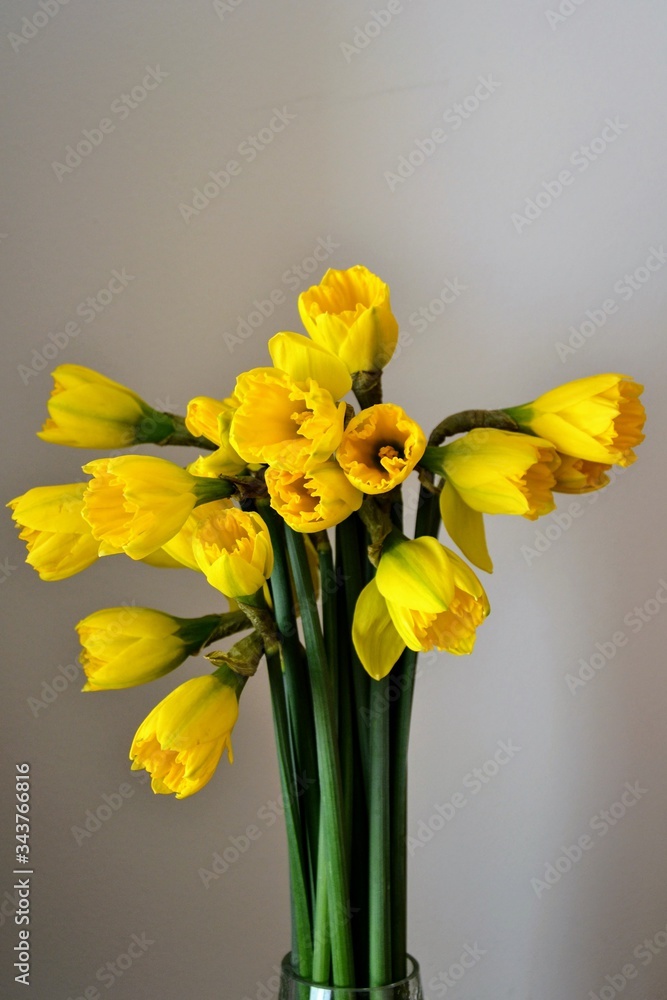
(294, 425)
(314, 500)
(88, 410)
(135, 503)
(599, 418)
(233, 549)
(577, 475)
(383, 627)
(490, 471)
(380, 448)
(183, 738)
(58, 540)
(126, 646)
(349, 313)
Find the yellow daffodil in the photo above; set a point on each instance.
(179, 547)
(349, 313)
(599, 418)
(126, 646)
(418, 568)
(382, 627)
(294, 425)
(58, 540)
(136, 504)
(490, 471)
(303, 359)
(233, 549)
(577, 475)
(380, 448)
(183, 738)
(314, 500)
(88, 410)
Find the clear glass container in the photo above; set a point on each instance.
(292, 987)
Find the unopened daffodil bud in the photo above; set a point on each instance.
(58, 539)
(182, 740)
(136, 503)
(233, 549)
(577, 475)
(349, 313)
(382, 626)
(599, 418)
(89, 410)
(380, 448)
(314, 500)
(211, 418)
(126, 646)
(294, 425)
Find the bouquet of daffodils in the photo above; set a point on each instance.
(294, 512)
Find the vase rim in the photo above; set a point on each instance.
(411, 977)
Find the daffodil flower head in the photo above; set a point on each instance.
(499, 472)
(233, 549)
(599, 418)
(349, 313)
(58, 539)
(293, 425)
(89, 410)
(314, 500)
(182, 740)
(126, 646)
(380, 448)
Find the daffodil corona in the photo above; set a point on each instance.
(314, 500)
(380, 448)
(233, 549)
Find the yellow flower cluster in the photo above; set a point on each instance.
(287, 436)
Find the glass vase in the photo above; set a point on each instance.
(292, 987)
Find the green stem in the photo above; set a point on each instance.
(329, 768)
(302, 929)
(321, 939)
(379, 909)
(296, 682)
(403, 674)
(468, 420)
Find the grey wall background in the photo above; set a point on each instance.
(558, 73)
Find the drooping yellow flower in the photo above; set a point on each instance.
(58, 540)
(126, 646)
(383, 627)
(452, 630)
(88, 410)
(577, 475)
(599, 418)
(233, 549)
(293, 425)
(498, 472)
(490, 471)
(314, 500)
(380, 448)
(418, 568)
(136, 503)
(180, 546)
(349, 313)
(304, 359)
(183, 738)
